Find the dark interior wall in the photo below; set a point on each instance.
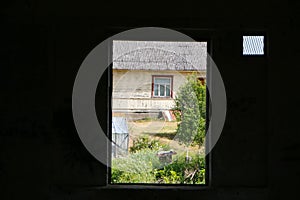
(43, 44)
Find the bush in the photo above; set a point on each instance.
(144, 167)
(182, 172)
(135, 168)
(145, 143)
(138, 166)
(190, 110)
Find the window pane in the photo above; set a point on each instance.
(162, 80)
(162, 90)
(168, 91)
(155, 90)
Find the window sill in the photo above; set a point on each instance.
(155, 187)
(154, 97)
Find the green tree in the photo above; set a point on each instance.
(190, 109)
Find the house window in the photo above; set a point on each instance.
(162, 86)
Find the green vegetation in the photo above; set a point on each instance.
(135, 168)
(190, 111)
(142, 165)
(182, 172)
(144, 142)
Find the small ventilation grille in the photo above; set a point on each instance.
(253, 45)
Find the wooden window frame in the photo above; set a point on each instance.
(171, 86)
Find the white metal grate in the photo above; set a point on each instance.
(253, 45)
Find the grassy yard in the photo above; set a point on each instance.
(142, 165)
(160, 130)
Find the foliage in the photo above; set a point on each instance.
(190, 110)
(135, 168)
(143, 166)
(145, 143)
(140, 169)
(182, 172)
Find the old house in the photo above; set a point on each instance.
(148, 74)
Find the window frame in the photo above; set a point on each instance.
(171, 77)
(208, 38)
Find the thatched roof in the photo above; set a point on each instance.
(152, 55)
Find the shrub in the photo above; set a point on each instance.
(190, 110)
(135, 168)
(182, 172)
(145, 143)
(144, 167)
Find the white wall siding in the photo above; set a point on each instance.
(132, 90)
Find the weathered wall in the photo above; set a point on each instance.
(132, 90)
